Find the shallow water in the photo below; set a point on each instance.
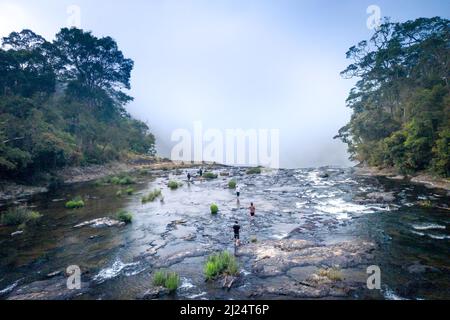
(290, 203)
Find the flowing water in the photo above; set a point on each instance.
(412, 242)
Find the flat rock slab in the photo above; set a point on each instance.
(282, 260)
(273, 258)
(52, 289)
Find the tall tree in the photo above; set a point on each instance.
(93, 66)
(401, 101)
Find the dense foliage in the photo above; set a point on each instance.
(401, 102)
(62, 103)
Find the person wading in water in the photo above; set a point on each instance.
(237, 241)
(238, 191)
(252, 209)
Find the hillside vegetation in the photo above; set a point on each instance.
(401, 102)
(62, 103)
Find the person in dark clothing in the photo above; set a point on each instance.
(189, 177)
(236, 229)
(252, 210)
(200, 172)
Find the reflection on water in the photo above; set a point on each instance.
(413, 242)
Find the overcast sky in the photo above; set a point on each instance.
(233, 64)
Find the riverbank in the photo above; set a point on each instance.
(421, 178)
(13, 191)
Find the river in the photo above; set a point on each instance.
(412, 242)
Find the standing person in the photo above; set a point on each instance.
(236, 229)
(189, 177)
(238, 191)
(200, 172)
(252, 210)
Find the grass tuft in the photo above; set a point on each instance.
(173, 185)
(152, 196)
(210, 175)
(169, 280)
(19, 216)
(125, 217)
(218, 264)
(254, 170)
(75, 203)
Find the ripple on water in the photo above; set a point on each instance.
(431, 235)
(129, 269)
(389, 294)
(343, 209)
(428, 226)
(9, 288)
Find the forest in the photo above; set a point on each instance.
(401, 100)
(62, 103)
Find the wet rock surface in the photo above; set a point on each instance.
(293, 264)
(52, 289)
(305, 223)
(154, 293)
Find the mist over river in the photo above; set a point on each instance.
(326, 206)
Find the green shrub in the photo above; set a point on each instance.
(19, 216)
(254, 170)
(253, 240)
(223, 263)
(214, 208)
(152, 196)
(76, 203)
(173, 185)
(232, 184)
(127, 180)
(441, 154)
(114, 180)
(210, 175)
(128, 191)
(125, 216)
(169, 280)
(122, 180)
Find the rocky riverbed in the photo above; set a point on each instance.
(315, 233)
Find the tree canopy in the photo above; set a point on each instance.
(401, 102)
(63, 103)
